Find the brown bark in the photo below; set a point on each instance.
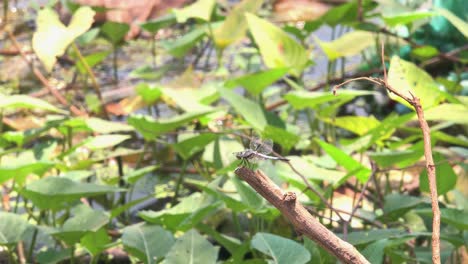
(301, 219)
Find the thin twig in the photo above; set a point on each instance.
(357, 205)
(430, 166)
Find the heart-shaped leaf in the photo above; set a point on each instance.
(52, 37)
(277, 48)
(147, 242)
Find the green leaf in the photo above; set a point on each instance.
(248, 195)
(277, 48)
(461, 25)
(359, 125)
(341, 47)
(286, 139)
(255, 83)
(96, 242)
(389, 158)
(189, 147)
(149, 243)
(396, 205)
(20, 171)
(451, 216)
(446, 178)
(161, 22)
(192, 248)
(407, 79)
(352, 166)
(91, 60)
(57, 193)
(147, 72)
(84, 221)
(252, 112)
(53, 256)
(105, 127)
(151, 128)
(179, 47)
(201, 9)
(375, 251)
(365, 237)
(191, 99)
(234, 27)
(27, 102)
(135, 175)
(312, 172)
(185, 215)
(447, 112)
(105, 141)
(12, 228)
(407, 18)
(52, 38)
(341, 14)
(425, 52)
(281, 250)
(150, 94)
(115, 32)
(303, 99)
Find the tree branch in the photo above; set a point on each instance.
(300, 217)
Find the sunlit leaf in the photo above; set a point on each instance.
(20, 171)
(248, 195)
(105, 141)
(56, 193)
(341, 47)
(352, 166)
(425, 52)
(356, 124)
(407, 79)
(12, 228)
(201, 9)
(448, 112)
(302, 99)
(105, 127)
(151, 128)
(340, 14)
(280, 249)
(252, 112)
(234, 26)
(446, 178)
(255, 83)
(85, 220)
(192, 248)
(149, 243)
(52, 37)
(185, 215)
(406, 18)
(277, 48)
(461, 25)
(27, 102)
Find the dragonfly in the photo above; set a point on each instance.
(258, 150)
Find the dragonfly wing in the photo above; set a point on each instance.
(255, 143)
(266, 147)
